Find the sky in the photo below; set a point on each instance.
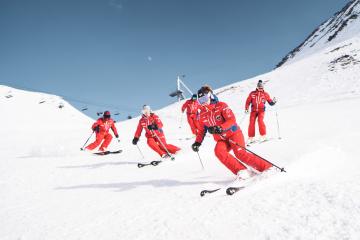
(118, 55)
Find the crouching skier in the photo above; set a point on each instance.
(152, 125)
(101, 127)
(218, 119)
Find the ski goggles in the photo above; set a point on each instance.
(107, 116)
(204, 99)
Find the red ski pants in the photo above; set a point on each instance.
(191, 118)
(262, 128)
(99, 138)
(155, 145)
(223, 148)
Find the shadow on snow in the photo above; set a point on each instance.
(98, 165)
(125, 186)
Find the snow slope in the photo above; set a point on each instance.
(51, 190)
(344, 25)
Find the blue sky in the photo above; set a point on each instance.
(121, 54)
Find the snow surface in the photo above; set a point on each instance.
(51, 190)
(343, 26)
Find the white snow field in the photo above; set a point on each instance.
(51, 190)
(340, 27)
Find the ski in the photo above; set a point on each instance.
(204, 192)
(152, 163)
(237, 184)
(209, 191)
(107, 152)
(266, 140)
(259, 142)
(231, 190)
(185, 139)
(156, 162)
(250, 181)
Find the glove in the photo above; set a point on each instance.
(246, 111)
(215, 130)
(117, 136)
(195, 146)
(96, 129)
(274, 100)
(153, 127)
(135, 140)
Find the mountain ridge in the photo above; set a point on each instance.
(341, 26)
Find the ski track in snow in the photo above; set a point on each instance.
(51, 190)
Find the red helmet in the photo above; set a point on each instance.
(107, 114)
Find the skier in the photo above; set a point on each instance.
(257, 99)
(101, 127)
(218, 119)
(154, 133)
(191, 106)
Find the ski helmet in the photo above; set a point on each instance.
(107, 114)
(194, 97)
(260, 84)
(146, 110)
(204, 94)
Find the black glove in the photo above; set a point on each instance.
(135, 140)
(215, 130)
(273, 102)
(195, 146)
(117, 136)
(96, 129)
(153, 127)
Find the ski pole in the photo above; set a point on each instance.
(200, 160)
(181, 119)
(118, 141)
(278, 125)
(140, 151)
(162, 144)
(246, 149)
(82, 149)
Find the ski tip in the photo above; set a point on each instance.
(231, 190)
(155, 163)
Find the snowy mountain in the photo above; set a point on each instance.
(51, 190)
(344, 25)
(29, 115)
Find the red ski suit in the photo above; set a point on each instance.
(103, 133)
(191, 107)
(257, 99)
(152, 140)
(219, 114)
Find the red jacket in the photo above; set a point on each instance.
(105, 125)
(145, 121)
(217, 114)
(258, 99)
(191, 107)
